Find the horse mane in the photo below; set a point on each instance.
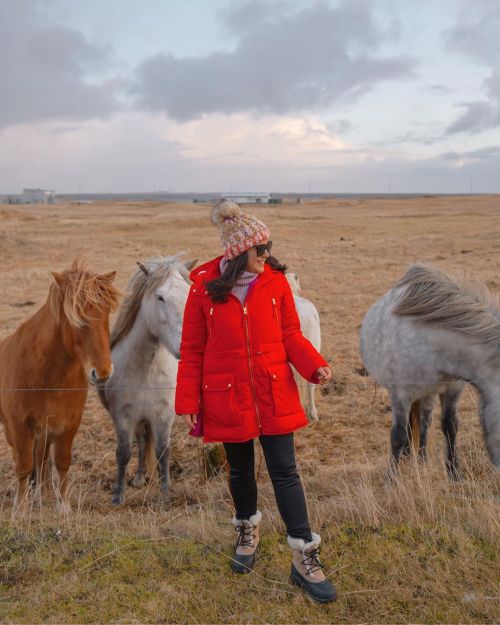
(79, 289)
(464, 307)
(140, 285)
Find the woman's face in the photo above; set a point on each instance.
(255, 264)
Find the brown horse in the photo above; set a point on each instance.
(43, 379)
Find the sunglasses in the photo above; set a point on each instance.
(263, 247)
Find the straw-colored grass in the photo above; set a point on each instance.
(422, 551)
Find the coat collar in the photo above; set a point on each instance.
(211, 270)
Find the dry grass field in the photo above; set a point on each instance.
(424, 551)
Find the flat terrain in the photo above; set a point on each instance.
(422, 551)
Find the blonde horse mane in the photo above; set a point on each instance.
(76, 289)
(139, 285)
(468, 308)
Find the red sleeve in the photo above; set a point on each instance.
(300, 352)
(193, 341)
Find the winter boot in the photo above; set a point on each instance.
(307, 569)
(246, 543)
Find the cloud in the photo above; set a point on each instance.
(476, 33)
(127, 152)
(43, 69)
(284, 61)
(482, 114)
(340, 126)
(141, 152)
(471, 156)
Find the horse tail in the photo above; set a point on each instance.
(305, 396)
(102, 396)
(414, 429)
(313, 413)
(149, 448)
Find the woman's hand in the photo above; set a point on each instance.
(323, 375)
(190, 419)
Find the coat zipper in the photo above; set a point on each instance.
(245, 315)
(275, 311)
(211, 325)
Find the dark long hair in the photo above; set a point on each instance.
(220, 288)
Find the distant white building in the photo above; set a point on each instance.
(247, 198)
(37, 196)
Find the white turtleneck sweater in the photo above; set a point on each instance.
(243, 283)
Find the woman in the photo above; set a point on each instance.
(240, 332)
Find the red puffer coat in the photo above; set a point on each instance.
(234, 368)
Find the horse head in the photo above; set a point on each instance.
(81, 302)
(163, 303)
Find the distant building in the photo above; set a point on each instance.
(247, 198)
(37, 196)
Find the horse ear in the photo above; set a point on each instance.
(59, 278)
(143, 268)
(191, 264)
(107, 277)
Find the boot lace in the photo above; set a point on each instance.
(245, 536)
(311, 561)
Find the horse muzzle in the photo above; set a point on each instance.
(97, 380)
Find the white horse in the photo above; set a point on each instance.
(428, 336)
(310, 326)
(145, 344)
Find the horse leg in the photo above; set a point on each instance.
(140, 437)
(162, 449)
(42, 463)
(449, 426)
(24, 443)
(123, 453)
(62, 458)
(399, 430)
(427, 404)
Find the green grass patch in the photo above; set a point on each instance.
(387, 574)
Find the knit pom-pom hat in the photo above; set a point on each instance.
(239, 231)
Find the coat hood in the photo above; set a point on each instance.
(211, 270)
(207, 271)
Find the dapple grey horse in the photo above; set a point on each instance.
(145, 344)
(428, 336)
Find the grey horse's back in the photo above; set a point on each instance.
(399, 351)
(433, 322)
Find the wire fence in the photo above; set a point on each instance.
(108, 389)
(370, 382)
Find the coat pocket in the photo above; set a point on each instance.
(284, 390)
(219, 399)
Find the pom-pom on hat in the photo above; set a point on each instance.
(239, 231)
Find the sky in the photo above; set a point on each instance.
(331, 96)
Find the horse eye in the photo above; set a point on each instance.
(161, 298)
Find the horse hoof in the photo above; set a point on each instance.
(21, 508)
(117, 500)
(391, 475)
(139, 481)
(455, 475)
(63, 507)
(164, 499)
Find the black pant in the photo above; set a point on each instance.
(279, 452)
